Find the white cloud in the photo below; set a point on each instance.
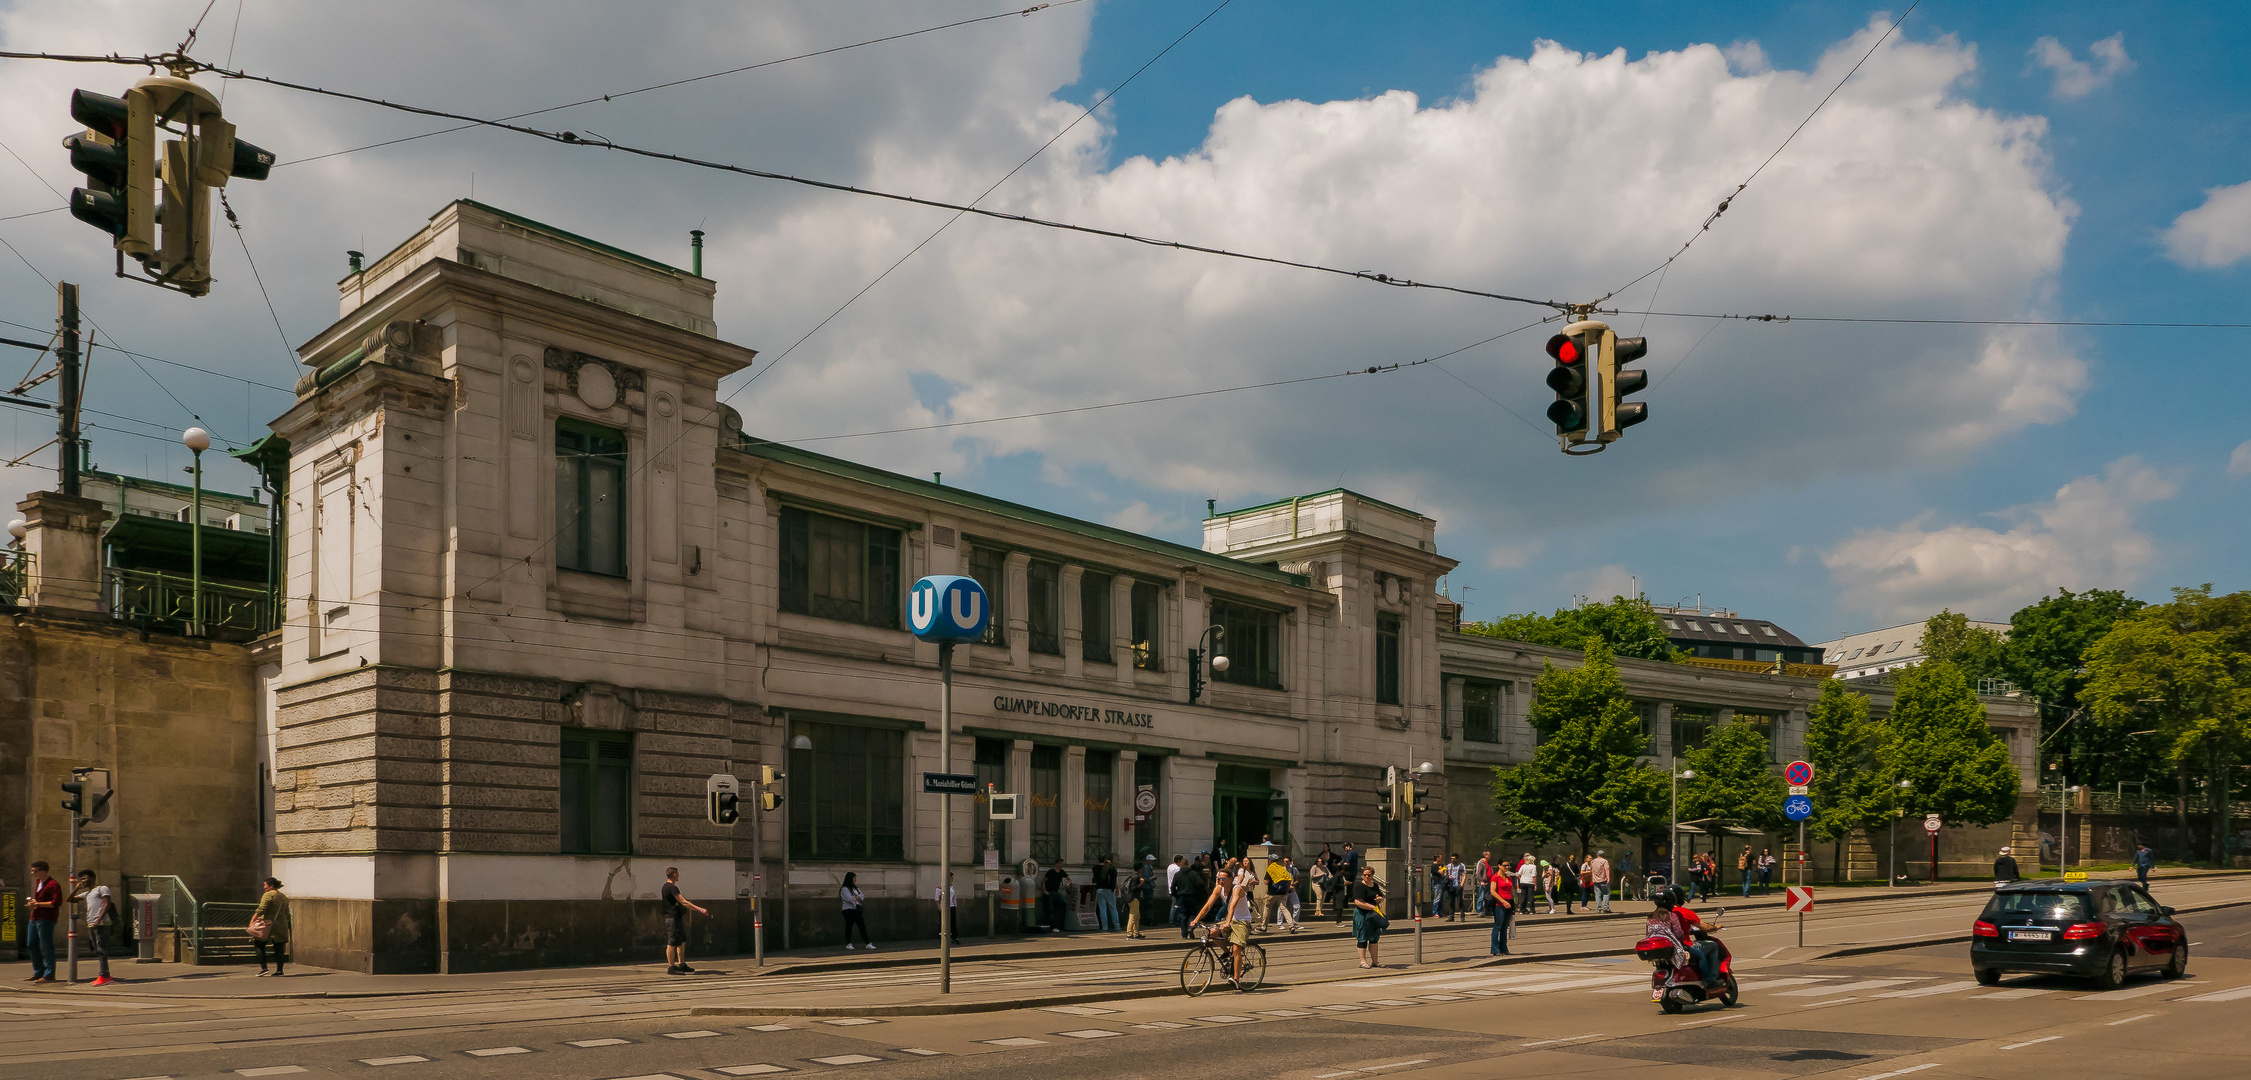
(2084, 538)
(2239, 463)
(2215, 234)
(1603, 582)
(1512, 556)
(1140, 517)
(2075, 78)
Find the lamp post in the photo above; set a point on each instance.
(1891, 863)
(1207, 644)
(197, 441)
(1413, 868)
(799, 743)
(1672, 838)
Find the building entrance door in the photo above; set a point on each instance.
(1241, 807)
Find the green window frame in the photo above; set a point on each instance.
(836, 568)
(590, 499)
(1251, 640)
(848, 793)
(595, 792)
(1102, 811)
(1046, 810)
(1387, 658)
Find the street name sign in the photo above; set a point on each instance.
(1797, 898)
(938, 783)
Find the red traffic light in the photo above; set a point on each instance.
(1565, 349)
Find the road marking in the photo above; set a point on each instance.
(651, 1076)
(750, 1070)
(1162, 1025)
(272, 1070)
(1772, 952)
(1845, 988)
(1091, 1033)
(497, 1051)
(2032, 1042)
(1078, 1010)
(770, 1027)
(2129, 1019)
(845, 1059)
(852, 1021)
(1225, 1018)
(1929, 991)
(1833, 1001)
(1017, 1041)
(1482, 993)
(2142, 991)
(1441, 997)
(1394, 1065)
(692, 1034)
(2223, 995)
(1286, 1013)
(920, 1052)
(1342, 1008)
(589, 1044)
(1394, 1002)
(1902, 1072)
(2012, 995)
(1552, 1042)
(403, 1059)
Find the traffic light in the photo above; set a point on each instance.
(1569, 380)
(1389, 793)
(74, 796)
(117, 152)
(722, 800)
(1418, 799)
(1619, 414)
(86, 795)
(139, 185)
(769, 801)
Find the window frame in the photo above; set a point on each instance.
(1499, 692)
(590, 810)
(987, 557)
(1094, 632)
(585, 457)
(881, 788)
(880, 556)
(1148, 600)
(1390, 657)
(1043, 607)
(1258, 663)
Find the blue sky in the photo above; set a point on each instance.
(1832, 478)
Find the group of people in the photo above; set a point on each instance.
(97, 911)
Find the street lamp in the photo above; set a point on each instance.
(1891, 864)
(1413, 868)
(801, 742)
(197, 441)
(1672, 839)
(1207, 644)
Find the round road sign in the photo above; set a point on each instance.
(1931, 823)
(1145, 802)
(1798, 773)
(1797, 808)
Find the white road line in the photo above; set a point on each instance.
(589, 1044)
(2031, 1042)
(851, 1021)
(498, 1051)
(1552, 1042)
(2143, 991)
(760, 1069)
(1017, 1041)
(651, 1076)
(847, 1059)
(1091, 1033)
(1844, 988)
(402, 1059)
(1287, 1013)
(2012, 995)
(2223, 995)
(770, 1027)
(1394, 1002)
(2129, 1019)
(692, 1034)
(1530, 972)
(1225, 1018)
(920, 1052)
(1834, 1001)
(1902, 1072)
(272, 1070)
(1394, 1065)
(1929, 991)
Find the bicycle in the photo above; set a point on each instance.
(1212, 958)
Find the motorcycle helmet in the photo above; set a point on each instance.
(1675, 894)
(1663, 899)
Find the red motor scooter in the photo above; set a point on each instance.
(1676, 986)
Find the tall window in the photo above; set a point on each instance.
(1387, 658)
(1043, 614)
(597, 793)
(1047, 804)
(838, 569)
(1148, 625)
(1481, 711)
(589, 498)
(990, 567)
(992, 768)
(847, 795)
(1251, 640)
(1691, 727)
(1764, 722)
(1095, 626)
(1149, 832)
(1102, 809)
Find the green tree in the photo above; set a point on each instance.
(2046, 657)
(1939, 742)
(1949, 637)
(2184, 670)
(1849, 790)
(1587, 779)
(1735, 781)
(1628, 626)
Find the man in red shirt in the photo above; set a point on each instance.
(1500, 891)
(46, 903)
(1704, 954)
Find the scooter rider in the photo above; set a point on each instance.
(1672, 904)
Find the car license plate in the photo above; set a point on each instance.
(2032, 935)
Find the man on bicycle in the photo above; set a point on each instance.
(1233, 895)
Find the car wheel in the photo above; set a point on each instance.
(2113, 973)
(2178, 967)
(1988, 976)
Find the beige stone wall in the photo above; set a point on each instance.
(173, 720)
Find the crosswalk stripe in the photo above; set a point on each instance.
(2223, 995)
(1929, 991)
(1844, 988)
(2143, 991)
(2012, 995)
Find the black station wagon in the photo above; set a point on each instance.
(2101, 930)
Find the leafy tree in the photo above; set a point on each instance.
(2046, 657)
(2184, 669)
(1587, 779)
(1849, 790)
(1949, 637)
(1735, 780)
(1939, 742)
(1628, 626)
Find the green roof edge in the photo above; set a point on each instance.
(1318, 494)
(962, 497)
(570, 236)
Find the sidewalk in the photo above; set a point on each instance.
(235, 982)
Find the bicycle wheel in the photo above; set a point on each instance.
(1254, 968)
(1197, 969)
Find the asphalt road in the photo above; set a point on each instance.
(1912, 1012)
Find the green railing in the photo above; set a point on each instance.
(155, 598)
(15, 575)
(2155, 804)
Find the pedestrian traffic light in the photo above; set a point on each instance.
(139, 185)
(1388, 794)
(98, 793)
(117, 152)
(74, 796)
(1418, 799)
(1619, 414)
(722, 800)
(769, 800)
(1569, 379)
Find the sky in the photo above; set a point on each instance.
(1988, 163)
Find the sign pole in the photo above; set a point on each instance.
(1801, 881)
(945, 817)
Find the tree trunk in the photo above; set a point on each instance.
(1836, 860)
(2180, 808)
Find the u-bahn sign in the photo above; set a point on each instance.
(944, 607)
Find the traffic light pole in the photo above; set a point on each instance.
(1414, 871)
(70, 943)
(757, 873)
(66, 357)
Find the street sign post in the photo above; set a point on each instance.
(1797, 808)
(947, 609)
(1798, 899)
(1931, 825)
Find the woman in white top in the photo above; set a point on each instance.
(851, 896)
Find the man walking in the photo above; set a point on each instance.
(1106, 895)
(99, 913)
(676, 909)
(1187, 888)
(1137, 894)
(1599, 868)
(1349, 867)
(2145, 860)
(2005, 869)
(1483, 877)
(46, 903)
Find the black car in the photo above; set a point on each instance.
(2101, 930)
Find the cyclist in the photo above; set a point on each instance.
(1233, 897)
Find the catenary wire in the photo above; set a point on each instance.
(1033, 10)
(1941, 322)
(287, 351)
(161, 360)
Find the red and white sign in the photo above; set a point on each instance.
(1798, 773)
(1797, 898)
(1930, 824)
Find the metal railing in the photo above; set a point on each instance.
(2111, 802)
(15, 575)
(155, 598)
(176, 907)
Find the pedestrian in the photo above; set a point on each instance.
(1368, 921)
(1290, 904)
(1766, 871)
(1586, 882)
(1436, 883)
(949, 905)
(1548, 878)
(2145, 860)
(1137, 893)
(1625, 874)
(1500, 892)
(1281, 886)
(46, 903)
(1052, 893)
(1484, 877)
(99, 912)
(1319, 876)
(1743, 868)
(1567, 881)
(1457, 891)
(2005, 869)
(847, 894)
(1187, 887)
(1106, 896)
(269, 926)
(1349, 865)
(1598, 870)
(1527, 878)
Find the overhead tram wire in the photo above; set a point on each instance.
(159, 359)
(1881, 320)
(1033, 10)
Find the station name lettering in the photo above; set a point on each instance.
(1092, 714)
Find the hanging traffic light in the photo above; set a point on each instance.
(117, 152)
(1568, 378)
(1619, 414)
(139, 185)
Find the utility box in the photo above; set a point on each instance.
(144, 924)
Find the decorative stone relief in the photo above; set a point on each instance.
(575, 364)
(595, 386)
